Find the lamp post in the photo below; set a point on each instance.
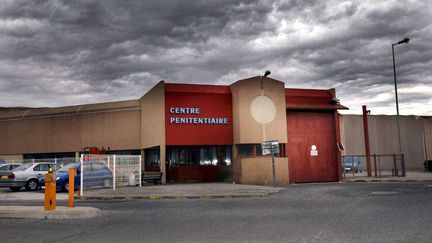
(405, 40)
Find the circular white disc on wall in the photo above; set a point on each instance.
(262, 109)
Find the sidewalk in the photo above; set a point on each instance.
(411, 176)
(182, 191)
(38, 212)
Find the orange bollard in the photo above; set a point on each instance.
(50, 190)
(71, 187)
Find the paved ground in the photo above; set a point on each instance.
(158, 192)
(153, 192)
(411, 176)
(182, 191)
(328, 212)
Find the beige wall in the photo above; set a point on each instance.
(258, 171)
(153, 122)
(427, 134)
(119, 130)
(246, 130)
(16, 158)
(384, 139)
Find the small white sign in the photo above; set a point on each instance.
(314, 150)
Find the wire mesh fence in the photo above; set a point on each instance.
(98, 171)
(382, 165)
(59, 161)
(109, 171)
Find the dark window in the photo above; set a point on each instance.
(246, 150)
(259, 150)
(152, 158)
(199, 156)
(255, 150)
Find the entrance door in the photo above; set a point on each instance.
(311, 148)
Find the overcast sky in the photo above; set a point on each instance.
(56, 53)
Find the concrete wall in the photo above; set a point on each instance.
(258, 171)
(153, 122)
(15, 158)
(118, 130)
(427, 134)
(246, 130)
(416, 137)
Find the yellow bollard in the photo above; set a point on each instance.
(50, 190)
(71, 187)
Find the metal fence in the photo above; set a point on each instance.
(120, 170)
(382, 165)
(60, 161)
(125, 170)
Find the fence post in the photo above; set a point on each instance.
(379, 166)
(403, 165)
(343, 166)
(139, 171)
(81, 175)
(375, 165)
(395, 165)
(114, 172)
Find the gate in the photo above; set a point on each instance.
(311, 147)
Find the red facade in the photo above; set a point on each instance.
(312, 121)
(198, 115)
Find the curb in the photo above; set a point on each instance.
(384, 181)
(38, 212)
(175, 197)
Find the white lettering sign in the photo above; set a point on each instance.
(194, 120)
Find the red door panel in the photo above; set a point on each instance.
(304, 130)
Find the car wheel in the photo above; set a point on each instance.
(65, 186)
(32, 185)
(107, 183)
(14, 189)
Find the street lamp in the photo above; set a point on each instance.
(405, 40)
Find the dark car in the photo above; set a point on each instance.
(96, 174)
(352, 163)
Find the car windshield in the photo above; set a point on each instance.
(22, 167)
(67, 167)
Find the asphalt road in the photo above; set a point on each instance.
(330, 212)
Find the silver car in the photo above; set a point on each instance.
(26, 175)
(8, 167)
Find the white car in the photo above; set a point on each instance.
(26, 175)
(8, 167)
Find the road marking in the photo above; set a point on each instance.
(155, 197)
(384, 193)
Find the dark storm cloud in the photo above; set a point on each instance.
(71, 52)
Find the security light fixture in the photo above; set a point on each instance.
(335, 101)
(405, 40)
(267, 73)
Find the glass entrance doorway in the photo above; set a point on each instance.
(196, 163)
